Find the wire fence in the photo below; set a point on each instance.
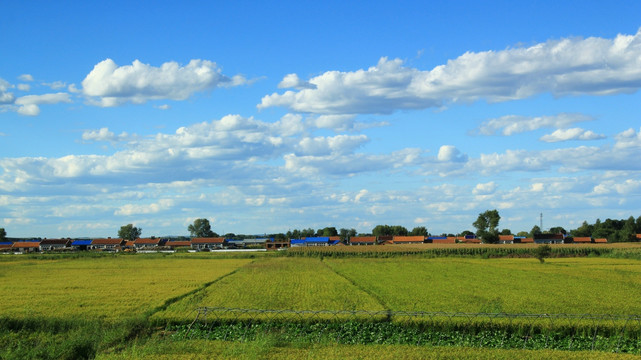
(611, 333)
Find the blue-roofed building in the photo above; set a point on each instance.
(83, 244)
(317, 241)
(297, 242)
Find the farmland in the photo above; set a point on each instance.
(119, 305)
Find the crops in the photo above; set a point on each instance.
(107, 288)
(73, 305)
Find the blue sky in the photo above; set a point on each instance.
(266, 118)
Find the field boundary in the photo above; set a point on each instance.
(596, 332)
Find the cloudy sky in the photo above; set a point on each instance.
(266, 118)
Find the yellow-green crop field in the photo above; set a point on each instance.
(109, 288)
(164, 289)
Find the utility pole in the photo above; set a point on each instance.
(541, 226)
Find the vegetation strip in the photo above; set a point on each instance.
(356, 285)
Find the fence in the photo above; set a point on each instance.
(611, 333)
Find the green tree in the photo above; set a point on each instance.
(386, 230)
(487, 226)
(129, 232)
(3, 234)
(536, 230)
(557, 230)
(346, 234)
(542, 252)
(419, 231)
(523, 234)
(506, 232)
(201, 228)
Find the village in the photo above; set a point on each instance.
(197, 244)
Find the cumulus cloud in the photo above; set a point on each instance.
(485, 189)
(55, 85)
(293, 81)
(136, 209)
(5, 96)
(572, 66)
(24, 87)
(514, 124)
(103, 134)
(571, 134)
(29, 104)
(25, 77)
(449, 153)
(138, 83)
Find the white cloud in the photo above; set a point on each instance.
(5, 96)
(340, 144)
(24, 87)
(134, 209)
(485, 189)
(514, 124)
(449, 153)
(29, 103)
(55, 85)
(573, 66)
(293, 81)
(103, 134)
(25, 77)
(571, 134)
(138, 83)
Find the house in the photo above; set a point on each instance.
(207, 243)
(385, 239)
(26, 246)
(6, 245)
(81, 244)
(467, 240)
(549, 238)
(173, 245)
(506, 239)
(600, 241)
(441, 240)
(582, 240)
(108, 244)
(524, 240)
(362, 240)
(275, 245)
(147, 243)
(55, 244)
(317, 241)
(297, 242)
(408, 239)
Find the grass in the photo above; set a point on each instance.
(271, 347)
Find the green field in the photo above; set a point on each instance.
(117, 305)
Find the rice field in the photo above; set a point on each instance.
(155, 290)
(108, 288)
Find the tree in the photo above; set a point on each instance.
(386, 230)
(487, 226)
(542, 252)
(558, 230)
(129, 232)
(201, 228)
(536, 230)
(346, 234)
(523, 234)
(506, 232)
(3, 234)
(419, 231)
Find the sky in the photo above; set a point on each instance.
(267, 117)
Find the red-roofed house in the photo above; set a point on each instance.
(582, 240)
(26, 246)
(601, 241)
(506, 239)
(362, 240)
(527, 240)
(146, 243)
(408, 239)
(108, 244)
(207, 243)
(55, 244)
(178, 244)
(444, 241)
